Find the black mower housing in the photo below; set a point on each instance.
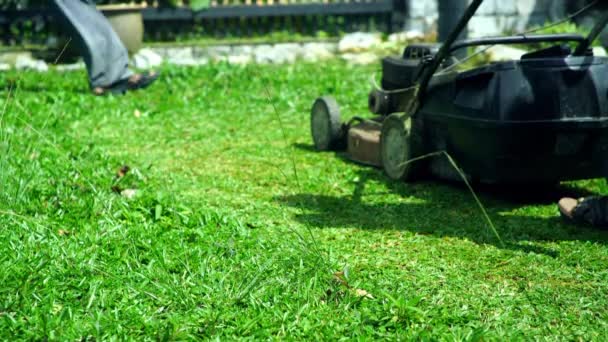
(533, 120)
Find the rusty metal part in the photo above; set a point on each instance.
(364, 143)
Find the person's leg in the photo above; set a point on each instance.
(104, 54)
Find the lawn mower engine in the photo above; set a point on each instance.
(361, 137)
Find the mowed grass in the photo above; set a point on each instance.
(238, 229)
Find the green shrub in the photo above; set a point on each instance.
(24, 4)
(566, 27)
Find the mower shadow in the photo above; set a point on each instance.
(446, 209)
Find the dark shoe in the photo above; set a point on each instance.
(590, 210)
(136, 81)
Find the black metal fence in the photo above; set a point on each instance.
(229, 18)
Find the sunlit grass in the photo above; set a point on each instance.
(221, 241)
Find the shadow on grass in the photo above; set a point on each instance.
(304, 147)
(47, 83)
(447, 209)
(44, 88)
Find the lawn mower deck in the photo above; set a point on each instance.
(543, 118)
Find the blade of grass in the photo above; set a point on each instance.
(62, 51)
(292, 160)
(466, 182)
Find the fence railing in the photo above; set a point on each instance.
(236, 18)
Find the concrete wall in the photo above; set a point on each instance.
(493, 18)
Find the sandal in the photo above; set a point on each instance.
(134, 82)
(589, 210)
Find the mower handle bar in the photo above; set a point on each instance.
(520, 39)
(445, 49)
(429, 70)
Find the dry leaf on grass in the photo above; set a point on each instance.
(63, 232)
(57, 308)
(340, 278)
(123, 171)
(128, 193)
(363, 294)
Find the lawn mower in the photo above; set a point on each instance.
(540, 119)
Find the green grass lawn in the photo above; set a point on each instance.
(239, 229)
